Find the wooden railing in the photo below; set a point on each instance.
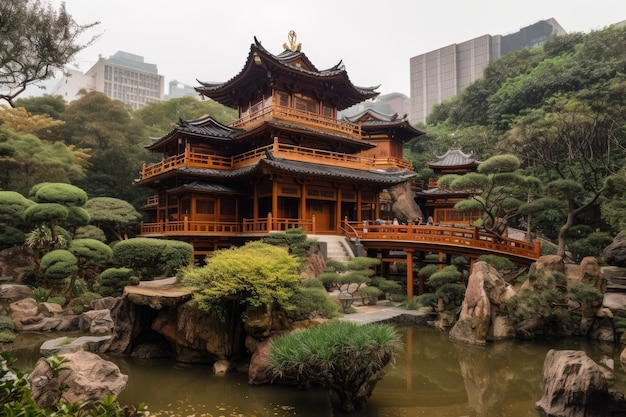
(279, 150)
(287, 114)
(187, 227)
(469, 238)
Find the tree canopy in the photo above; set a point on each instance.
(36, 41)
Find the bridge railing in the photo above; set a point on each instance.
(442, 235)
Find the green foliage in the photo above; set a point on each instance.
(370, 294)
(12, 207)
(387, 286)
(6, 323)
(116, 216)
(90, 232)
(10, 237)
(59, 193)
(345, 357)
(335, 265)
(59, 264)
(498, 262)
(330, 280)
(91, 250)
(253, 275)
(113, 280)
(45, 212)
(41, 294)
(585, 293)
(152, 257)
(295, 240)
(311, 302)
(427, 271)
(591, 245)
(447, 275)
(362, 262)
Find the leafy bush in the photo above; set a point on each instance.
(295, 240)
(41, 294)
(252, 275)
(370, 294)
(345, 357)
(10, 236)
(113, 280)
(498, 262)
(152, 257)
(585, 293)
(312, 302)
(6, 324)
(330, 280)
(59, 264)
(591, 245)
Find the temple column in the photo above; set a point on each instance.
(409, 274)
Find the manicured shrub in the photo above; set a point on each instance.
(312, 302)
(346, 358)
(113, 280)
(152, 257)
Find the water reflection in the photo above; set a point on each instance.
(434, 376)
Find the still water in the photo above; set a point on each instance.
(433, 376)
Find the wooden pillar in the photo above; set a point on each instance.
(440, 260)
(303, 213)
(359, 201)
(338, 211)
(409, 275)
(377, 205)
(255, 203)
(274, 200)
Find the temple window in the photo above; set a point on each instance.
(305, 104)
(283, 99)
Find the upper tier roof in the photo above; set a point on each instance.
(454, 158)
(373, 121)
(290, 71)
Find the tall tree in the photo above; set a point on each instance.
(575, 146)
(116, 140)
(35, 41)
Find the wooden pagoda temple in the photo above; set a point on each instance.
(439, 202)
(288, 161)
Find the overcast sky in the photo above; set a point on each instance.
(209, 40)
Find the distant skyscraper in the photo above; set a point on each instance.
(177, 89)
(123, 76)
(443, 73)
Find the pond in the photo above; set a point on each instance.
(433, 376)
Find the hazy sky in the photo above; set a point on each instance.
(209, 40)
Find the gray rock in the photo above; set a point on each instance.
(88, 343)
(14, 292)
(96, 321)
(88, 378)
(575, 386)
(615, 253)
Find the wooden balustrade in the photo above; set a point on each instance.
(279, 150)
(187, 227)
(443, 236)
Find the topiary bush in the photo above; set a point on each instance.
(312, 302)
(152, 257)
(113, 280)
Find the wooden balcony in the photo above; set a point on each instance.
(187, 227)
(299, 117)
(279, 150)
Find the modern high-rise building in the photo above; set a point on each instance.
(443, 73)
(123, 76)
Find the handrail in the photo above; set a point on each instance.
(445, 236)
(280, 150)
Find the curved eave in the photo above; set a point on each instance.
(304, 169)
(206, 127)
(335, 79)
(377, 177)
(401, 129)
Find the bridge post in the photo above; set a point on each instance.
(409, 275)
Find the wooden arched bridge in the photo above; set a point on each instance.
(443, 240)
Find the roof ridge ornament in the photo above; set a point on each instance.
(292, 46)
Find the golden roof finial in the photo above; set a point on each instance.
(292, 45)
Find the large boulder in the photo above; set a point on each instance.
(483, 306)
(88, 378)
(615, 253)
(575, 386)
(10, 293)
(403, 203)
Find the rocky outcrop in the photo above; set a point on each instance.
(30, 316)
(483, 305)
(615, 253)
(403, 203)
(575, 386)
(10, 293)
(88, 378)
(15, 261)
